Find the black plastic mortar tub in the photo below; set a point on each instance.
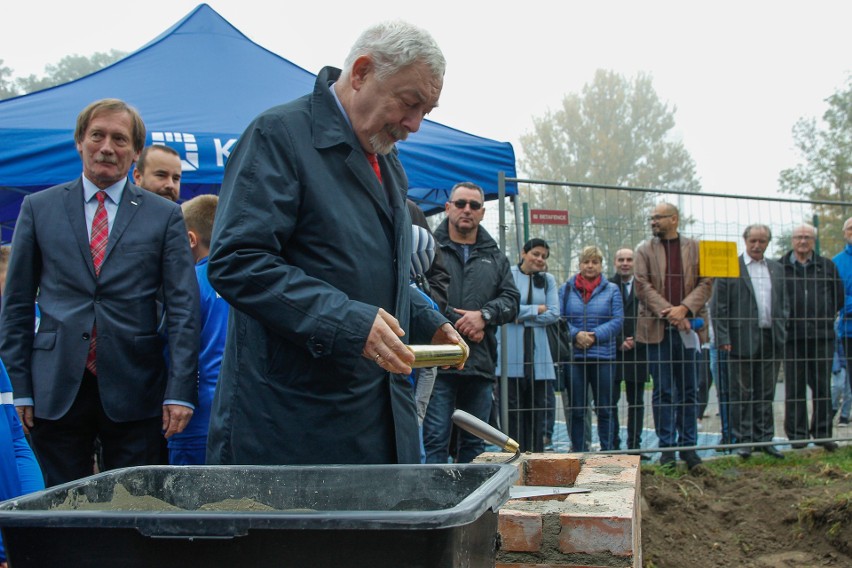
(375, 515)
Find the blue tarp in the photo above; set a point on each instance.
(197, 87)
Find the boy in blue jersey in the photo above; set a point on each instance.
(189, 447)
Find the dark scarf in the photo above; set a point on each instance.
(586, 287)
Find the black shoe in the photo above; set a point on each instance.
(799, 445)
(691, 458)
(843, 420)
(744, 453)
(828, 446)
(667, 461)
(771, 451)
(644, 457)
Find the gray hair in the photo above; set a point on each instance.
(754, 226)
(394, 45)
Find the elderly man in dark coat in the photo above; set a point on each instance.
(311, 248)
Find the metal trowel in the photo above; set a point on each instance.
(492, 435)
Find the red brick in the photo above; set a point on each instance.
(520, 531)
(560, 470)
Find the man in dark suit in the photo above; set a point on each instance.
(312, 248)
(93, 253)
(749, 318)
(631, 357)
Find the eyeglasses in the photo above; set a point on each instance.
(658, 217)
(462, 203)
(802, 237)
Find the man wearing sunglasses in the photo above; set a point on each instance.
(482, 296)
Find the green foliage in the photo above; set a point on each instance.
(67, 69)
(7, 86)
(616, 132)
(825, 169)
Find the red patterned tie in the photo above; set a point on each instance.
(98, 244)
(374, 161)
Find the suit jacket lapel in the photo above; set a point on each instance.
(77, 218)
(131, 201)
(360, 167)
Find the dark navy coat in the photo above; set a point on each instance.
(306, 247)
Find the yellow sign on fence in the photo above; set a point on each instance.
(718, 259)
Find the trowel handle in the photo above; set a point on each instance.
(483, 430)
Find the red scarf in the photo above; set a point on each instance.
(586, 287)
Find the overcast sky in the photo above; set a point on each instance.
(740, 73)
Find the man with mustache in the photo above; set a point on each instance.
(311, 247)
(93, 253)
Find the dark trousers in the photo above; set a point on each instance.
(597, 375)
(847, 350)
(631, 367)
(808, 364)
(675, 397)
(753, 391)
(705, 379)
(721, 370)
(527, 403)
(65, 447)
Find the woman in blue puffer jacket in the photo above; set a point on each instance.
(594, 311)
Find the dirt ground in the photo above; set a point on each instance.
(762, 513)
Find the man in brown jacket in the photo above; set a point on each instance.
(673, 298)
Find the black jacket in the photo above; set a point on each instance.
(816, 294)
(484, 282)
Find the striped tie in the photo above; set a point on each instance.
(98, 244)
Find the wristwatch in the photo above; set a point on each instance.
(486, 314)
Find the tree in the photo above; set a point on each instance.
(825, 172)
(67, 69)
(7, 86)
(616, 132)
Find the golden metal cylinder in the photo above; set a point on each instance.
(438, 355)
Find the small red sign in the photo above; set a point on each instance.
(548, 217)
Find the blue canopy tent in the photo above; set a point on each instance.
(197, 86)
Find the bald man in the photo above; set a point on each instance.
(631, 356)
(672, 293)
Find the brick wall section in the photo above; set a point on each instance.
(520, 531)
(600, 528)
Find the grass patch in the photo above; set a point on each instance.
(808, 468)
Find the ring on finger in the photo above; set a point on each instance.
(377, 357)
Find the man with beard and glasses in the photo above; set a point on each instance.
(672, 294)
(311, 247)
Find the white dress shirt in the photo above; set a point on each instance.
(758, 271)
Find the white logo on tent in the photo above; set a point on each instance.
(190, 161)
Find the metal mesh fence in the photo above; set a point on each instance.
(775, 377)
